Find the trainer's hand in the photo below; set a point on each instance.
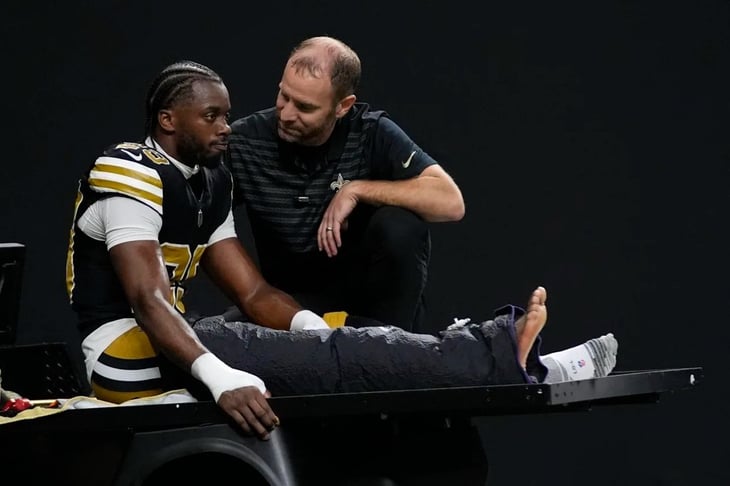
(334, 219)
(250, 409)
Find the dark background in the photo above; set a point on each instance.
(589, 141)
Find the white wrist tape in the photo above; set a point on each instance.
(219, 377)
(305, 319)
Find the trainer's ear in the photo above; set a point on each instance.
(344, 105)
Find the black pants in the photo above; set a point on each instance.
(373, 358)
(380, 271)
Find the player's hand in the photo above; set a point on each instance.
(334, 220)
(250, 409)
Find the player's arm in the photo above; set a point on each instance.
(235, 273)
(140, 269)
(129, 221)
(130, 226)
(230, 267)
(142, 273)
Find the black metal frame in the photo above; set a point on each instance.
(409, 437)
(620, 387)
(12, 260)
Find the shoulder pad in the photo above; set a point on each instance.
(125, 169)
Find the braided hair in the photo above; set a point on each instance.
(172, 85)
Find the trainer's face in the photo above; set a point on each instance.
(306, 108)
(201, 124)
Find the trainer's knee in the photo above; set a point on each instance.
(398, 231)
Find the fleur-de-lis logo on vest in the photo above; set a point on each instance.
(337, 185)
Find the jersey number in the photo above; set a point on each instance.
(181, 264)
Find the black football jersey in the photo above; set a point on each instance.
(189, 218)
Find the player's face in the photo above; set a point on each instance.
(201, 124)
(305, 108)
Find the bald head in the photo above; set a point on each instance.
(327, 57)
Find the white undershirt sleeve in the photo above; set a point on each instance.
(227, 229)
(118, 220)
(121, 219)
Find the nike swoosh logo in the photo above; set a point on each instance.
(138, 157)
(408, 161)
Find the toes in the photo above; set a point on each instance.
(541, 294)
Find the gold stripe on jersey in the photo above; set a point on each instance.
(128, 178)
(102, 185)
(153, 180)
(70, 273)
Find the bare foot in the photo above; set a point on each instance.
(528, 326)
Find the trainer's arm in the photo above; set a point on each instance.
(231, 268)
(433, 194)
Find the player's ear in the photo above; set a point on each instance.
(344, 105)
(164, 119)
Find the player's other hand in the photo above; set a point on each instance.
(250, 409)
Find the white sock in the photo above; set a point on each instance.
(592, 359)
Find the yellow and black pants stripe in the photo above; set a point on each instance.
(128, 368)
